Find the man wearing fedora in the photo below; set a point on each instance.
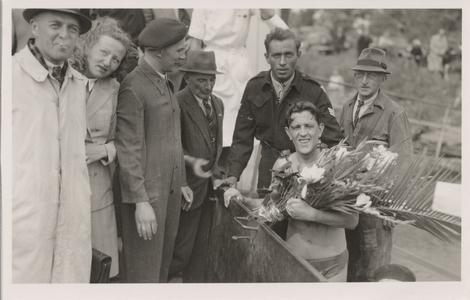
(51, 193)
(371, 114)
(150, 156)
(201, 135)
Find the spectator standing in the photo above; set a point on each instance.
(371, 114)
(201, 136)
(437, 49)
(102, 53)
(51, 192)
(150, 155)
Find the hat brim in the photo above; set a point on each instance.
(209, 72)
(370, 69)
(85, 23)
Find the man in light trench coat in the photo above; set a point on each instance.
(51, 193)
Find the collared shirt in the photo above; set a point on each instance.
(90, 83)
(44, 62)
(281, 88)
(367, 104)
(384, 121)
(159, 74)
(201, 104)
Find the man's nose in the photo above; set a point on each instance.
(183, 55)
(365, 79)
(63, 33)
(283, 60)
(207, 86)
(303, 131)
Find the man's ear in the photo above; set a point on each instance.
(34, 27)
(321, 127)
(266, 57)
(299, 53)
(288, 133)
(384, 78)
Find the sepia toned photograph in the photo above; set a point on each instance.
(227, 153)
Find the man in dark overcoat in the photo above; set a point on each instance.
(150, 155)
(201, 136)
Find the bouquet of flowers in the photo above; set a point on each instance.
(370, 180)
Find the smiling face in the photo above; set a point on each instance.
(304, 131)
(283, 58)
(104, 57)
(201, 84)
(56, 35)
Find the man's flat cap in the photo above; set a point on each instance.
(162, 32)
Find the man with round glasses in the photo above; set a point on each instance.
(371, 115)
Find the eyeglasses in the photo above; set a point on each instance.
(371, 76)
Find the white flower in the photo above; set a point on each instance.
(312, 174)
(342, 152)
(363, 199)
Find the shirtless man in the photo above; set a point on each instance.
(317, 236)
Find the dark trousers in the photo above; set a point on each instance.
(192, 240)
(369, 246)
(148, 261)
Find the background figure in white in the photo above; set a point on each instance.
(225, 32)
(437, 49)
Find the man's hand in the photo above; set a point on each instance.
(95, 152)
(197, 168)
(197, 164)
(267, 13)
(145, 220)
(187, 197)
(388, 224)
(299, 209)
(230, 193)
(230, 182)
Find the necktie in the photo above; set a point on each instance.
(208, 111)
(280, 93)
(358, 109)
(57, 74)
(88, 92)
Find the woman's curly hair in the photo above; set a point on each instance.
(102, 26)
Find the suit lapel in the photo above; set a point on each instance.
(197, 115)
(99, 96)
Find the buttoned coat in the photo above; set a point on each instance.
(197, 142)
(384, 120)
(370, 243)
(151, 168)
(101, 127)
(51, 192)
(190, 251)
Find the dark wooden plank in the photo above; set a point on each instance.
(253, 255)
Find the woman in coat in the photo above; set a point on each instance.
(101, 55)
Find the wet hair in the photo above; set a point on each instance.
(300, 107)
(280, 34)
(102, 26)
